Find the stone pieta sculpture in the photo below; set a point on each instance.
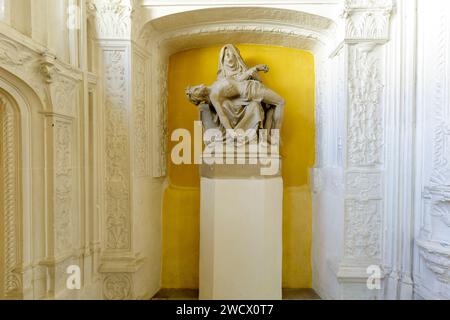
(238, 99)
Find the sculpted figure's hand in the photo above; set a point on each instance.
(262, 68)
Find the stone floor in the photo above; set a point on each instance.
(188, 294)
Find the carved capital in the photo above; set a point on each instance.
(367, 20)
(111, 19)
(62, 84)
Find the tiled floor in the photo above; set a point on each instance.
(188, 294)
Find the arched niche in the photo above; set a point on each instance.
(177, 32)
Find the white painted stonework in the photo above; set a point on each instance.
(84, 133)
(241, 239)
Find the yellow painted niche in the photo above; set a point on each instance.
(292, 76)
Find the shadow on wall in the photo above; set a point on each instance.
(292, 76)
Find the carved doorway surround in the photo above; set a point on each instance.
(37, 95)
(15, 180)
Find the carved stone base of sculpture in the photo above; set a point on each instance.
(241, 166)
(240, 235)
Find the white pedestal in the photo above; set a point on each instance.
(241, 239)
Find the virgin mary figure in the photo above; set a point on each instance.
(231, 65)
(231, 94)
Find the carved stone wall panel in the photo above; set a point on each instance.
(364, 185)
(363, 230)
(62, 84)
(117, 286)
(64, 95)
(436, 258)
(366, 30)
(141, 132)
(53, 81)
(23, 62)
(117, 166)
(160, 113)
(364, 149)
(64, 187)
(320, 113)
(365, 128)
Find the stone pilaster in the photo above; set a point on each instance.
(124, 135)
(366, 32)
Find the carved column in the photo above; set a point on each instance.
(366, 30)
(124, 133)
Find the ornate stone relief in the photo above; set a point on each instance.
(437, 259)
(62, 83)
(125, 126)
(320, 113)
(242, 28)
(161, 121)
(140, 119)
(438, 189)
(362, 230)
(63, 187)
(439, 197)
(364, 116)
(55, 82)
(9, 143)
(117, 177)
(13, 54)
(367, 20)
(235, 15)
(364, 152)
(364, 186)
(64, 95)
(117, 286)
(367, 26)
(23, 62)
(57, 86)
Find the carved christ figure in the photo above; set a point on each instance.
(238, 99)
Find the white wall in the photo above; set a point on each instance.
(432, 175)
